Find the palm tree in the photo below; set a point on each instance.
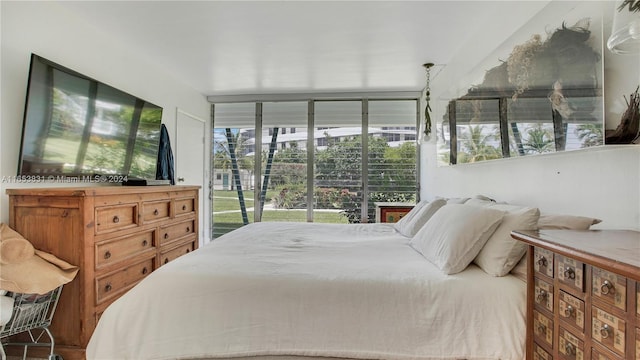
(476, 145)
(539, 140)
(589, 134)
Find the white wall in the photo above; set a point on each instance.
(49, 30)
(603, 183)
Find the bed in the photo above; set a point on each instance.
(308, 290)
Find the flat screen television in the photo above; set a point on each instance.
(75, 126)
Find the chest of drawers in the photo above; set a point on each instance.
(583, 294)
(116, 235)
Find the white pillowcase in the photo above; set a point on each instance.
(454, 235)
(502, 252)
(566, 222)
(411, 223)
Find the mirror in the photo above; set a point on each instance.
(542, 93)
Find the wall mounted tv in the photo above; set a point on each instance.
(75, 126)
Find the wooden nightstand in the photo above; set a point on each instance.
(391, 212)
(583, 294)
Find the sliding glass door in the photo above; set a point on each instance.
(314, 160)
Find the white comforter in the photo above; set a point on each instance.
(308, 289)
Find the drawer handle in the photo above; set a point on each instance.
(568, 312)
(107, 254)
(166, 235)
(605, 331)
(569, 349)
(116, 219)
(144, 271)
(166, 260)
(188, 250)
(542, 261)
(542, 329)
(542, 296)
(188, 229)
(607, 288)
(107, 288)
(145, 243)
(184, 207)
(156, 212)
(569, 273)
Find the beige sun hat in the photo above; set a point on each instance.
(26, 270)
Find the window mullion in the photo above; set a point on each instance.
(365, 161)
(310, 159)
(257, 164)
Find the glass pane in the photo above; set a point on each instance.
(478, 130)
(338, 160)
(584, 126)
(232, 179)
(530, 126)
(284, 161)
(392, 153)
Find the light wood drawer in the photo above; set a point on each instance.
(610, 288)
(543, 294)
(116, 283)
(543, 261)
(571, 309)
(543, 328)
(540, 354)
(602, 355)
(114, 250)
(608, 330)
(570, 272)
(156, 210)
(111, 218)
(570, 346)
(170, 255)
(185, 206)
(176, 231)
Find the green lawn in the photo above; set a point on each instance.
(227, 215)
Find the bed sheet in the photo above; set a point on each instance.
(308, 289)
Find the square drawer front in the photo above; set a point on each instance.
(543, 328)
(540, 354)
(571, 309)
(114, 250)
(543, 294)
(610, 288)
(156, 210)
(543, 261)
(117, 283)
(176, 231)
(608, 330)
(601, 355)
(175, 253)
(185, 206)
(570, 272)
(111, 218)
(569, 345)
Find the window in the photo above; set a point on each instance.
(316, 160)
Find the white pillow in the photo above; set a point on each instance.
(520, 270)
(502, 252)
(566, 222)
(410, 215)
(454, 235)
(411, 223)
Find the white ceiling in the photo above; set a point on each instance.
(267, 47)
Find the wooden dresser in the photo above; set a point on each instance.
(117, 235)
(583, 294)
